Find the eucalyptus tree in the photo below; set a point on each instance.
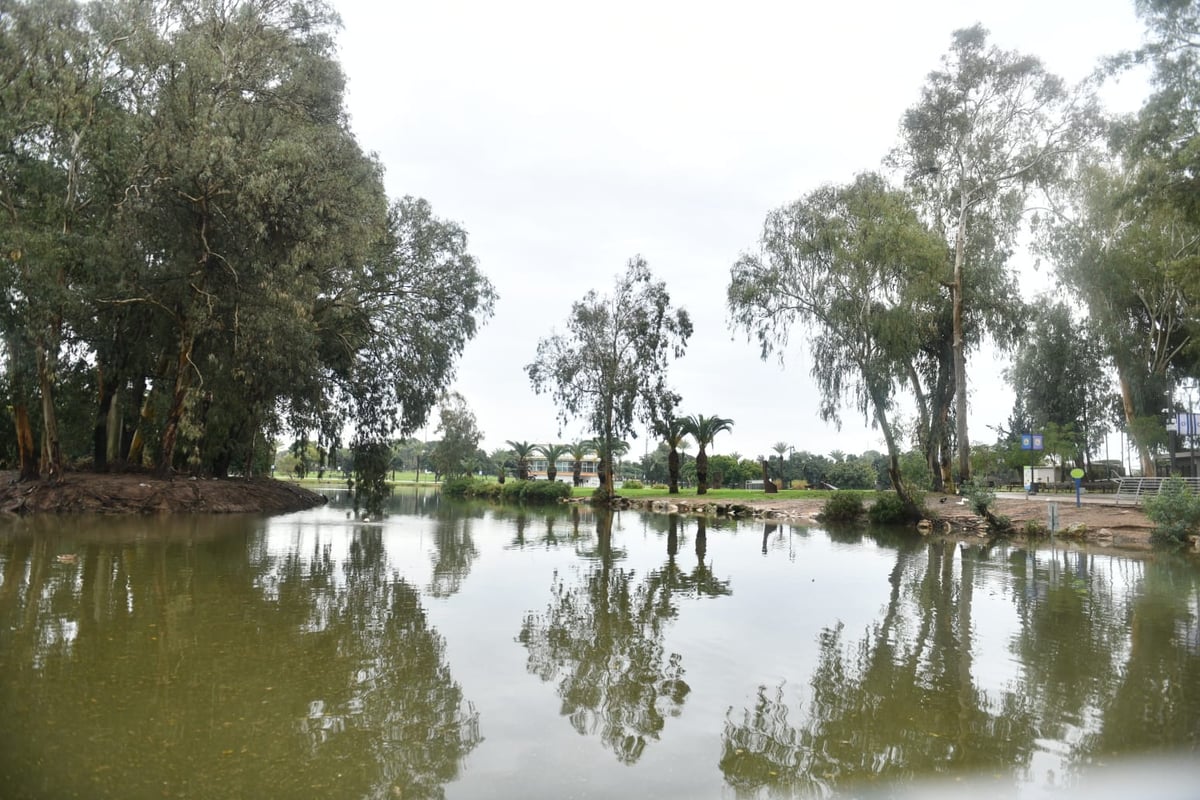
(990, 125)
(854, 265)
(673, 431)
(552, 453)
(455, 453)
(1119, 256)
(1060, 376)
(60, 179)
(704, 429)
(521, 452)
(611, 365)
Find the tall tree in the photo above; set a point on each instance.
(455, 453)
(704, 429)
(852, 264)
(990, 125)
(1118, 255)
(1059, 376)
(611, 366)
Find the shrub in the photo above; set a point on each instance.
(634, 484)
(1175, 512)
(459, 487)
(842, 507)
(888, 509)
(1035, 528)
(546, 492)
(660, 487)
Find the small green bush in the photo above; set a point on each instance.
(842, 507)
(1035, 528)
(660, 487)
(1175, 512)
(634, 484)
(888, 509)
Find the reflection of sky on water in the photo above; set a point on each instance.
(739, 611)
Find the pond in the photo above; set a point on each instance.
(470, 651)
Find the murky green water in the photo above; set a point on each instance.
(476, 652)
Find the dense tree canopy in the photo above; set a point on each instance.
(197, 252)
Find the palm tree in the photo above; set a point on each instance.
(578, 450)
(704, 429)
(501, 458)
(674, 435)
(781, 448)
(522, 451)
(552, 452)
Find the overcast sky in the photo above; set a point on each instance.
(568, 137)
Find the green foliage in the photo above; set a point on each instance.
(980, 495)
(842, 507)
(371, 460)
(852, 474)
(459, 487)
(516, 491)
(611, 365)
(1175, 512)
(1035, 528)
(455, 454)
(889, 509)
(188, 209)
(631, 484)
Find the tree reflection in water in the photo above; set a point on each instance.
(279, 678)
(602, 641)
(897, 703)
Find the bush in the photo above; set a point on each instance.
(546, 491)
(634, 484)
(1035, 528)
(1175, 512)
(842, 507)
(459, 487)
(888, 509)
(660, 487)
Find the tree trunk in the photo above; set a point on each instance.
(577, 473)
(673, 471)
(100, 437)
(174, 419)
(960, 354)
(1144, 455)
(26, 455)
(701, 472)
(913, 512)
(51, 446)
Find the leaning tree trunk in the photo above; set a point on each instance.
(911, 510)
(51, 446)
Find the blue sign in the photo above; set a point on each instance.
(1038, 444)
(1187, 424)
(1032, 441)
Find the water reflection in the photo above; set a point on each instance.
(211, 668)
(601, 641)
(323, 655)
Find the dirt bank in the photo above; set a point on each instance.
(131, 493)
(1099, 523)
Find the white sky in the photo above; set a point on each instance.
(566, 138)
